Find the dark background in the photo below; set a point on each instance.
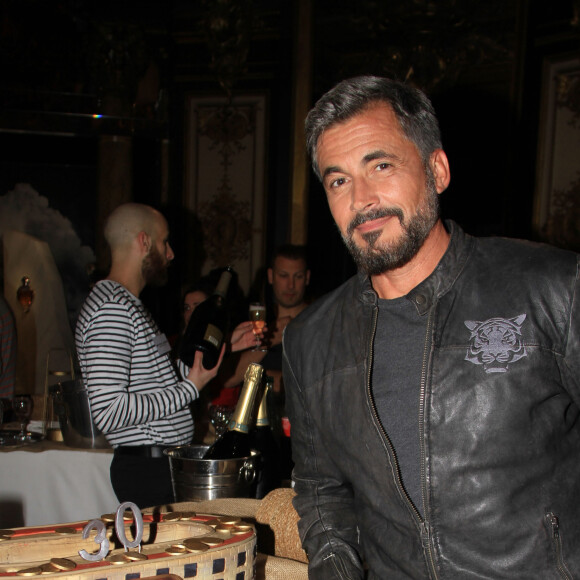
(63, 61)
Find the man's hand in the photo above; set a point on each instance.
(198, 374)
(243, 337)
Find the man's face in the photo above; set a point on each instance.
(289, 279)
(157, 260)
(382, 198)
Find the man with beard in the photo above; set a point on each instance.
(434, 397)
(136, 398)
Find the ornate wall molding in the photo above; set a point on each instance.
(225, 181)
(557, 198)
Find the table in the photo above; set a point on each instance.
(49, 483)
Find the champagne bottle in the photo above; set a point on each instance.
(262, 439)
(208, 325)
(235, 442)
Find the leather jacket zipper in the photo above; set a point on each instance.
(425, 528)
(554, 527)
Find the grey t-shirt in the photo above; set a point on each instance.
(395, 382)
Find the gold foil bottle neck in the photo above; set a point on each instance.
(242, 416)
(254, 372)
(224, 283)
(262, 418)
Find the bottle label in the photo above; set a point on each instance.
(214, 335)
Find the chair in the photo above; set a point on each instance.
(280, 554)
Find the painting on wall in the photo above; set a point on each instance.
(225, 187)
(557, 198)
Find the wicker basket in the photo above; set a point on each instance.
(175, 543)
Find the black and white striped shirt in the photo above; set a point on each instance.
(135, 394)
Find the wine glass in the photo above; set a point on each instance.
(219, 416)
(258, 319)
(22, 406)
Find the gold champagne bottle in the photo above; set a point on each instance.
(262, 440)
(235, 442)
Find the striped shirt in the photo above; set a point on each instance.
(135, 394)
(8, 345)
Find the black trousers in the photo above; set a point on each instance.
(145, 481)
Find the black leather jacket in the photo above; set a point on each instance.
(499, 423)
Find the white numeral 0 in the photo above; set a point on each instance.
(120, 525)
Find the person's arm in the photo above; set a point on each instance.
(233, 370)
(328, 528)
(108, 356)
(572, 358)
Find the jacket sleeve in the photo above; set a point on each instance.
(572, 349)
(327, 526)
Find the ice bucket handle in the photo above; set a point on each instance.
(248, 472)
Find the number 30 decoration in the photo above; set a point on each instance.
(101, 529)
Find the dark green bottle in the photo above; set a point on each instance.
(208, 325)
(235, 442)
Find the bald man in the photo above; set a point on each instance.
(137, 399)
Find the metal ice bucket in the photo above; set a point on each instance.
(198, 479)
(73, 408)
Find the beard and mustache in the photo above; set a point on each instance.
(154, 268)
(375, 258)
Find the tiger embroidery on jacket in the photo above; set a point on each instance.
(495, 343)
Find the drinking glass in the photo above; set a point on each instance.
(219, 416)
(258, 318)
(22, 406)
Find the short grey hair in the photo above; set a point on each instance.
(412, 108)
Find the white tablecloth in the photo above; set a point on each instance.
(54, 485)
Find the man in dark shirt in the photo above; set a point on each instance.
(435, 396)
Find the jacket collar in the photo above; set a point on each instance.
(440, 280)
